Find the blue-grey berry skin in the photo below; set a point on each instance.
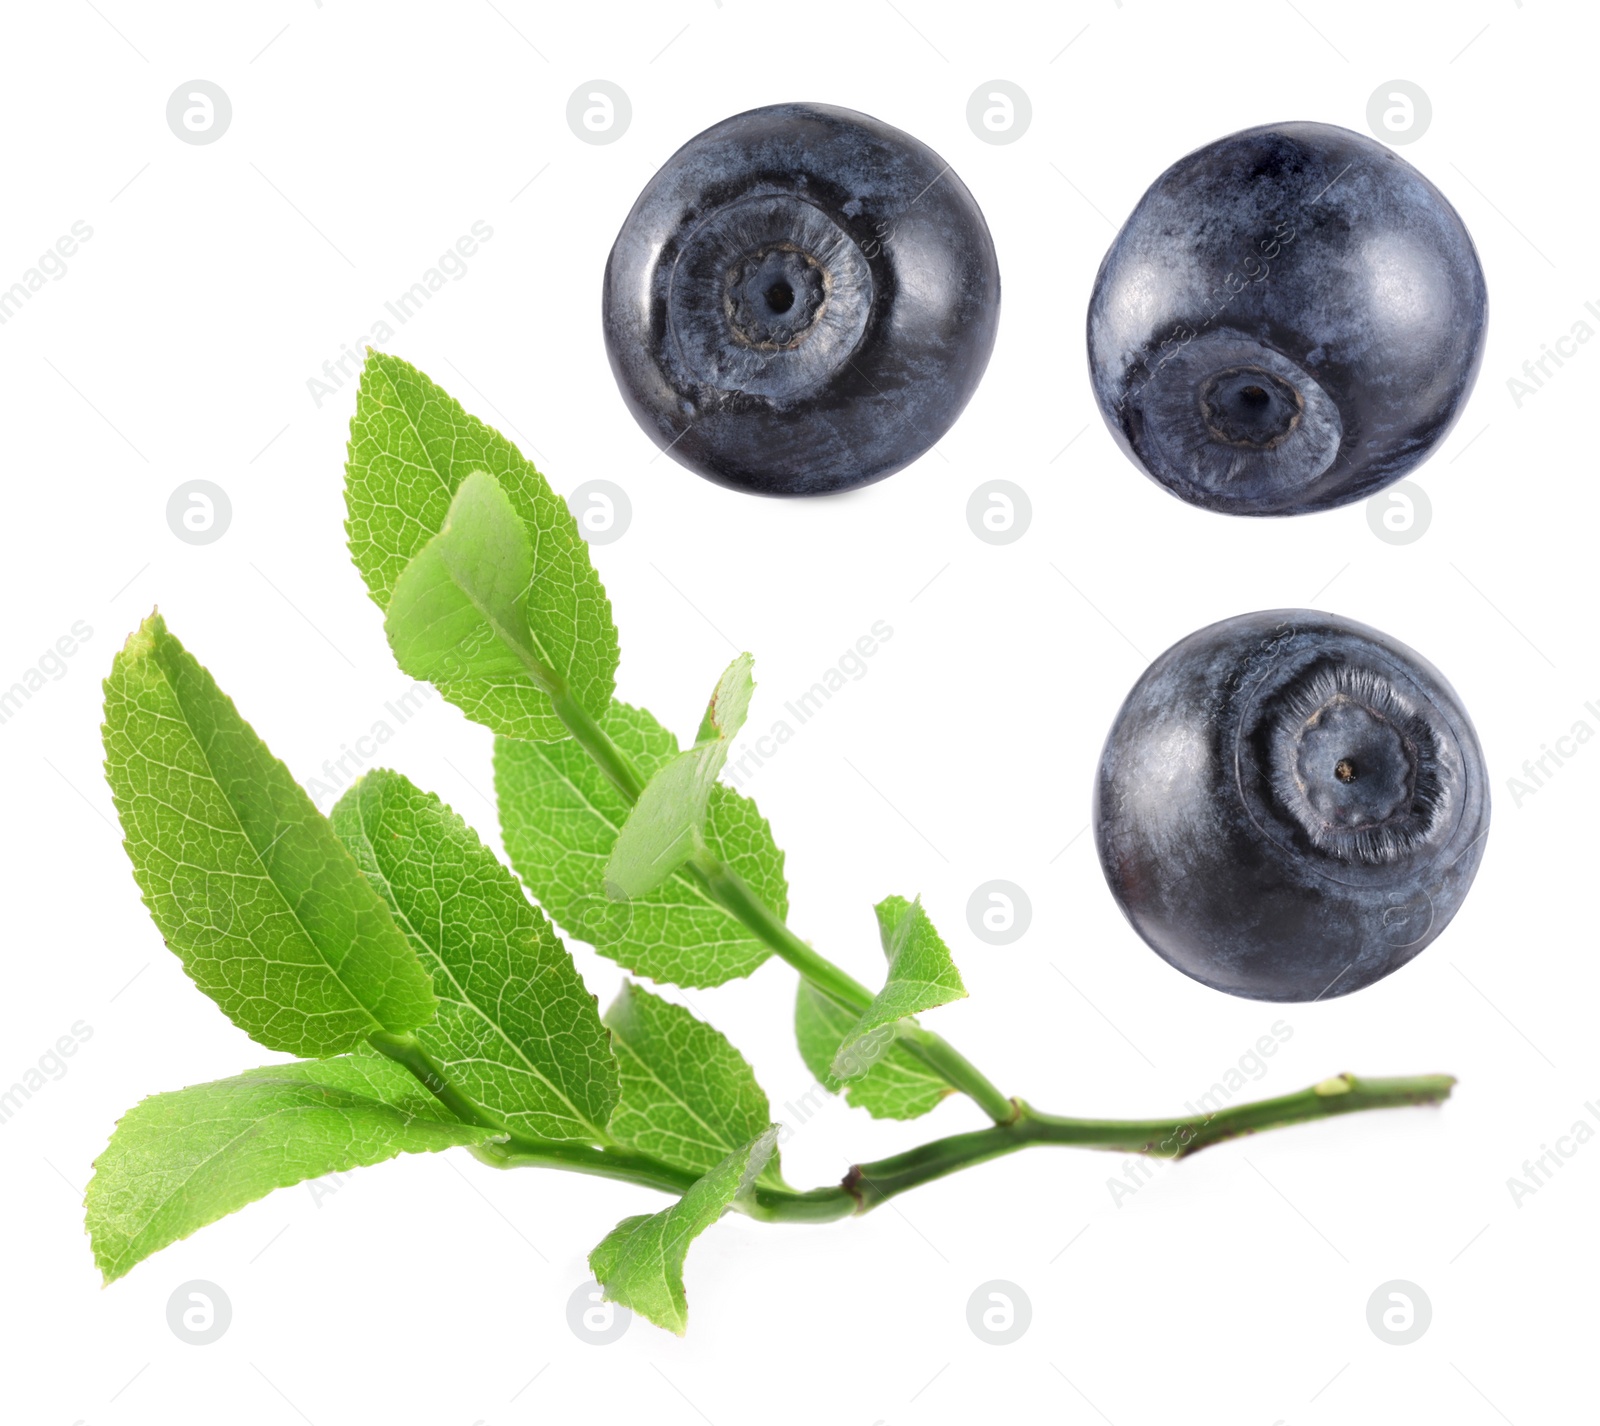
(1290, 805)
(1291, 319)
(802, 300)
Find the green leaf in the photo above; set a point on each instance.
(729, 705)
(921, 976)
(639, 1263)
(458, 606)
(411, 449)
(897, 1086)
(688, 1097)
(242, 874)
(181, 1160)
(658, 835)
(559, 816)
(667, 824)
(516, 1029)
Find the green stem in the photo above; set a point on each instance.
(873, 1183)
(581, 1158)
(735, 895)
(869, 1184)
(406, 1050)
(731, 890)
(513, 1150)
(612, 761)
(957, 1070)
(817, 1205)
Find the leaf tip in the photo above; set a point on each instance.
(110, 1272)
(143, 639)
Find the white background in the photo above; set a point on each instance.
(365, 139)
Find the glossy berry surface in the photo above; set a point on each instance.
(802, 300)
(1291, 319)
(1290, 805)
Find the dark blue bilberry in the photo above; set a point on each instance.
(802, 300)
(1290, 805)
(1292, 318)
